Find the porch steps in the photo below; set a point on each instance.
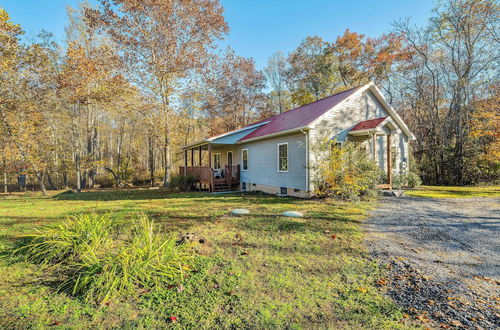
(221, 186)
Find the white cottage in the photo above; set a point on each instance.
(274, 154)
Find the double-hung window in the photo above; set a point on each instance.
(244, 159)
(283, 157)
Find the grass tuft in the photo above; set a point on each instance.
(145, 262)
(70, 240)
(102, 264)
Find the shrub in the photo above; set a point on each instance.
(410, 179)
(69, 240)
(183, 183)
(105, 181)
(413, 180)
(398, 181)
(346, 172)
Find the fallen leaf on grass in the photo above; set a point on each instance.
(382, 281)
(362, 290)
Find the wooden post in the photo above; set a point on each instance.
(209, 155)
(374, 146)
(210, 186)
(192, 157)
(389, 161)
(199, 164)
(185, 162)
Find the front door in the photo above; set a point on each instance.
(229, 158)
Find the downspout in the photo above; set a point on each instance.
(308, 190)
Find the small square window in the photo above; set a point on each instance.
(283, 191)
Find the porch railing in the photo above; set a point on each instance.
(205, 174)
(232, 175)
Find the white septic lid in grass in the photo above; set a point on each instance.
(240, 211)
(293, 214)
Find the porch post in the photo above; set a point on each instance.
(199, 159)
(192, 157)
(374, 146)
(209, 155)
(389, 160)
(185, 162)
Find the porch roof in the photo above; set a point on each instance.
(367, 127)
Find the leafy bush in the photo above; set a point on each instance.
(413, 180)
(103, 263)
(105, 181)
(410, 179)
(69, 240)
(183, 183)
(346, 172)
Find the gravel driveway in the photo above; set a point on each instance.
(443, 257)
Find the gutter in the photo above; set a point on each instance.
(196, 144)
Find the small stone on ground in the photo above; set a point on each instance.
(240, 211)
(293, 214)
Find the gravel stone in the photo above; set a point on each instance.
(442, 256)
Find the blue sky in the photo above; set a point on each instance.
(258, 28)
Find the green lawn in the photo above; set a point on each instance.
(255, 271)
(452, 192)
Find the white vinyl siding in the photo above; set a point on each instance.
(283, 157)
(263, 160)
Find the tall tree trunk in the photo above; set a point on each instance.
(41, 178)
(151, 160)
(65, 180)
(78, 175)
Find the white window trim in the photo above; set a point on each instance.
(220, 160)
(232, 158)
(248, 159)
(278, 157)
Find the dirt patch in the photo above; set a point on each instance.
(443, 258)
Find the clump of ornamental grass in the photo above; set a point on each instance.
(68, 241)
(146, 262)
(104, 258)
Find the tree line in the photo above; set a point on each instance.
(135, 80)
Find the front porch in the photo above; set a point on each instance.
(204, 162)
(378, 136)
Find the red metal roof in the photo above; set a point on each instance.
(299, 117)
(368, 124)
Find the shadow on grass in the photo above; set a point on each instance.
(143, 194)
